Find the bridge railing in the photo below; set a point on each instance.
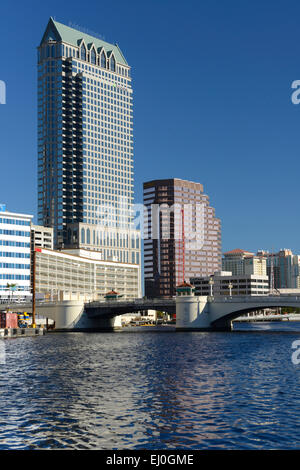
(256, 298)
(136, 302)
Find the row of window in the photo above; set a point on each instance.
(58, 50)
(14, 221)
(14, 277)
(11, 254)
(107, 239)
(102, 61)
(4, 287)
(18, 233)
(16, 244)
(14, 266)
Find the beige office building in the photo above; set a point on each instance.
(224, 283)
(66, 275)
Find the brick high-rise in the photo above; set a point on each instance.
(167, 260)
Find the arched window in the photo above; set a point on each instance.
(93, 56)
(82, 235)
(103, 60)
(88, 236)
(112, 64)
(83, 52)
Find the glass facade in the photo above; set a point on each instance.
(182, 235)
(85, 133)
(14, 255)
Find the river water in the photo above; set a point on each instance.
(152, 389)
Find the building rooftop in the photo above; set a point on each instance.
(238, 251)
(185, 284)
(60, 32)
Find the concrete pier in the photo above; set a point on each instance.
(18, 332)
(70, 315)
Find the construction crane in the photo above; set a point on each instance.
(181, 246)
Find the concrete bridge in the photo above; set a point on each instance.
(119, 307)
(207, 314)
(192, 312)
(77, 315)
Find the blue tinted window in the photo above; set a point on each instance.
(103, 60)
(83, 52)
(93, 56)
(113, 64)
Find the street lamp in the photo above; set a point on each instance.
(211, 283)
(230, 286)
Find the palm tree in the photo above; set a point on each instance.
(12, 288)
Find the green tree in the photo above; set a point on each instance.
(12, 288)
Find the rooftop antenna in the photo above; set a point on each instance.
(86, 30)
(181, 245)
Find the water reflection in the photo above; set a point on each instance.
(154, 391)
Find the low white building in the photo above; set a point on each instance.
(224, 283)
(61, 275)
(14, 255)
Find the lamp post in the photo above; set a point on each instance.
(211, 283)
(230, 286)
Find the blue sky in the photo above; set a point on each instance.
(212, 87)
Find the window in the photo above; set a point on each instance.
(83, 52)
(82, 235)
(103, 60)
(112, 64)
(93, 56)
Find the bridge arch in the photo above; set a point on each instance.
(227, 311)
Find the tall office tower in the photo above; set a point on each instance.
(85, 146)
(182, 235)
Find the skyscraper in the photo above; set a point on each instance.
(85, 143)
(182, 235)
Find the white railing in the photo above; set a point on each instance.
(257, 298)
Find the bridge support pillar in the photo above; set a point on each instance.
(192, 313)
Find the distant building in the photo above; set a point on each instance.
(283, 267)
(241, 262)
(224, 283)
(14, 254)
(174, 206)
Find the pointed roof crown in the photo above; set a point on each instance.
(59, 32)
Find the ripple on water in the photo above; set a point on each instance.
(153, 391)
